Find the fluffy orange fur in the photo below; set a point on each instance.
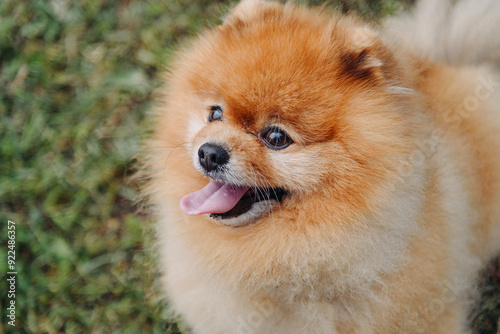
(393, 190)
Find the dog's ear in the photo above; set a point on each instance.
(247, 11)
(364, 56)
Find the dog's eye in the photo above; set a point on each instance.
(275, 138)
(215, 114)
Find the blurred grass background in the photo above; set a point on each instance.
(77, 78)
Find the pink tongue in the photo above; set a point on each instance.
(215, 197)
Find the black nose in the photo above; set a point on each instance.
(212, 157)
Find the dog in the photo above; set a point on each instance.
(311, 173)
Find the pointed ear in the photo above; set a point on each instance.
(364, 55)
(245, 12)
(363, 37)
(246, 9)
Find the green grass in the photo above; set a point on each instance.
(76, 82)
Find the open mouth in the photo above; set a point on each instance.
(226, 201)
(252, 196)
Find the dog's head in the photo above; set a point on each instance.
(283, 109)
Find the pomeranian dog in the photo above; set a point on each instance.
(312, 174)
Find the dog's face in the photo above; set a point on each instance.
(284, 109)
